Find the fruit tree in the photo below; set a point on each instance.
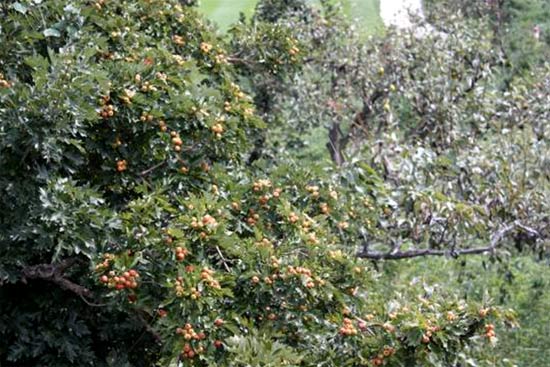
(132, 234)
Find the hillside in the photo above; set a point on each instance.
(224, 12)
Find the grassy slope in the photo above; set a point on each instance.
(367, 13)
(225, 12)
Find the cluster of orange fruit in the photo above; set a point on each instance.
(126, 98)
(208, 276)
(148, 87)
(107, 258)
(162, 126)
(3, 82)
(299, 270)
(427, 336)
(195, 294)
(205, 47)
(221, 59)
(307, 274)
(261, 184)
(179, 286)
(324, 208)
(293, 218)
(265, 242)
(275, 262)
(269, 280)
(347, 329)
(253, 217)
(121, 165)
(107, 109)
(263, 200)
(313, 190)
(207, 220)
(146, 117)
(128, 279)
(176, 141)
(178, 40)
(181, 253)
(189, 352)
(343, 225)
(189, 333)
(386, 352)
(217, 129)
(490, 331)
(451, 316)
(293, 50)
(312, 237)
(237, 92)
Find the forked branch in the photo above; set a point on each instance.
(496, 241)
(55, 273)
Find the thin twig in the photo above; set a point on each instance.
(91, 304)
(224, 261)
(149, 170)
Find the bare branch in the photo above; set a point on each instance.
(496, 239)
(223, 259)
(151, 169)
(54, 273)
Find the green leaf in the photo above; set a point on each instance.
(51, 32)
(20, 8)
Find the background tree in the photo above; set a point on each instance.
(413, 105)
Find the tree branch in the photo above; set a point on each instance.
(54, 273)
(151, 169)
(496, 239)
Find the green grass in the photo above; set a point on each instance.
(226, 12)
(367, 13)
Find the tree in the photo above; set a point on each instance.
(430, 112)
(133, 234)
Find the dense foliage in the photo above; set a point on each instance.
(427, 109)
(147, 218)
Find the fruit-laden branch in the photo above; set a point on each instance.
(55, 273)
(496, 238)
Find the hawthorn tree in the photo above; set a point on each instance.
(131, 232)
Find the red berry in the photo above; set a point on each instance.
(162, 313)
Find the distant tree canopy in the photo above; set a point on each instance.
(428, 110)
